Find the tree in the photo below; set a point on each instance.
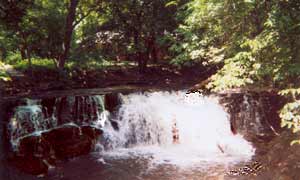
(11, 18)
(142, 22)
(249, 38)
(69, 27)
(45, 28)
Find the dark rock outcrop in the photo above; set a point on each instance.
(76, 146)
(34, 146)
(61, 134)
(36, 153)
(254, 114)
(30, 164)
(111, 102)
(91, 132)
(50, 129)
(78, 109)
(69, 141)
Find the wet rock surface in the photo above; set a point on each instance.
(112, 101)
(51, 129)
(254, 114)
(36, 154)
(31, 165)
(34, 146)
(73, 147)
(91, 132)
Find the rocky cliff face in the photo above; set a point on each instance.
(38, 133)
(254, 114)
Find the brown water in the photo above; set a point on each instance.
(89, 168)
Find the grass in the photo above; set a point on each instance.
(23, 65)
(38, 63)
(46, 65)
(3, 74)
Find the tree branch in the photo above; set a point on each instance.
(82, 18)
(93, 8)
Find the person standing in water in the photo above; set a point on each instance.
(175, 133)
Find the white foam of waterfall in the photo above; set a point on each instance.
(145, 129)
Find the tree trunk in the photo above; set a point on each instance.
(23, 45)
(138, 54)
(25, 51)
(142, 61)
(152, 48)
(22, 51)
(28, 54)
(154, 54)
(294, 50)
(68, 33)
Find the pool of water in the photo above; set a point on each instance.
(133, 168)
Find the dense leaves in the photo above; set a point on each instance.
(86, 29)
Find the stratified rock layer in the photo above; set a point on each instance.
(254, 114)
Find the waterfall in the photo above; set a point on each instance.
(38, 116)
(146, 126)
(143, 125)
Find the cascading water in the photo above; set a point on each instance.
(146, 129)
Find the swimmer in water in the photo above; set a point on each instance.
(220, 148)
(175, 133)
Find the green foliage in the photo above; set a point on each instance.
(235, 73)
(293, 92)
(172, 3)
(257, 39)
(290, 113)
(44, 64)
(39, 28)
(3, 74)
(34, 28)
(36, 63)
(290, 118)
(13, 57)
(201, 28)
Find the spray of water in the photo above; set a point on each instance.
(146, 128)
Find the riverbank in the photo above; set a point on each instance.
(157, 76)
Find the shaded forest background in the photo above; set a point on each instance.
(248, 43)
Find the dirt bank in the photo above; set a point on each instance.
(162, 76)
